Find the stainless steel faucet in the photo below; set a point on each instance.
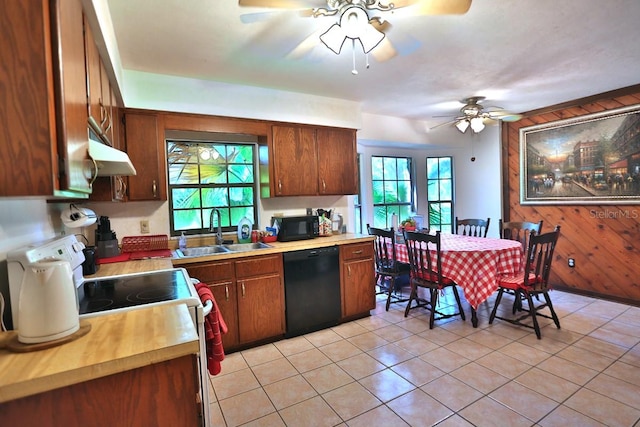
(219, 230)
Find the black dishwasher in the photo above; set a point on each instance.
(312, 290)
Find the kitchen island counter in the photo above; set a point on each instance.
(115, 343)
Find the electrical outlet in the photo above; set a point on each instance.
(144, 226)
(571, 262)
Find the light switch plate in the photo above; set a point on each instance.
(144, 226)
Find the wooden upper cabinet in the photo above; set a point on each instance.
(146, 151)
(43, 100)
(99, 101)
(295, 169)
(337, 163)
(309, 161)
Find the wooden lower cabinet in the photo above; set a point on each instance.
(357, 272)
(250, 294)
(161, 394)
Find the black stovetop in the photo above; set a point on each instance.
(131, 290)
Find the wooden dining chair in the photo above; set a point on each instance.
(519, 230)
(472, 227)
(426, 272)
(391, 275)
(532, 281)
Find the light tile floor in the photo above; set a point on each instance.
(388, 370)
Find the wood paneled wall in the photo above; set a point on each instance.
(604, 240)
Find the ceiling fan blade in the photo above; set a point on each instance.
(306, 45)
(384, 51)
(443, 124)
(283, 4)
(250, 18)
(503, 115)
(435, 7)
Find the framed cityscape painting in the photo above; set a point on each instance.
(593, 159)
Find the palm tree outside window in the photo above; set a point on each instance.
(393, 189)
(440, 193)
(207, 175)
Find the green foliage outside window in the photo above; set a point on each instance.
(392, 189)
(440, 193)
(208, 175)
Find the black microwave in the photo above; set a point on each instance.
(296, 227)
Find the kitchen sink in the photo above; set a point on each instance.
(219, 249)
(241, 247)
(201, 251)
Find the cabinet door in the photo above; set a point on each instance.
(260, 308)
(358, 280)
(94, 80)
(43, 98)
(220, 276)
(294, 161)
(226, 298)
(143, 147)
(337, 164)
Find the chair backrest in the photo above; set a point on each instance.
(384, 249)
(540, 256)
(472, 227)
(519, 230)
(424, 263)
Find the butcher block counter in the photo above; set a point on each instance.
(114, 344)
(276, 247)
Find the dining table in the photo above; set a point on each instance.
(474, 263)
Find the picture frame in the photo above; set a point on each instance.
(591, 159)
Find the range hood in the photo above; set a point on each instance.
(109, 160)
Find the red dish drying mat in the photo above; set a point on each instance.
(118, 258)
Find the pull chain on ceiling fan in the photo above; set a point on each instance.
(360, 20)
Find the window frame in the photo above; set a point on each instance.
(231, 140)
(440, 201)
(390, 208)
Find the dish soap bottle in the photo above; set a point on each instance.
(182, 242)
(244, 230)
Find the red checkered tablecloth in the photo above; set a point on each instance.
(475, 263)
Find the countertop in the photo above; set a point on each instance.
(276, 247)
(116, 343)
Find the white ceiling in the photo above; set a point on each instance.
(521, 54)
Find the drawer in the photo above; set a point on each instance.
(212, 272)
(258, 266)
(356, 251)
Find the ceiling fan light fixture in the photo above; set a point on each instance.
(354, 24)
(462, 125)
(477, 124)
(334, 38)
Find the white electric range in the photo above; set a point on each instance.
(104, 295)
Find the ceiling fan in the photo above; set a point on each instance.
(358, 20)
(476, 116)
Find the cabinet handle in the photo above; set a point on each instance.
(357, 252)
(324, 186)
(349, 271)
(243, 289)
(103, 114)
(154, 188)
(123, 186)
(226, 292)
(94, 172)
(279, 186)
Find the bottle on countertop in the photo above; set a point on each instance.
(182, 242)
(244, 230)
